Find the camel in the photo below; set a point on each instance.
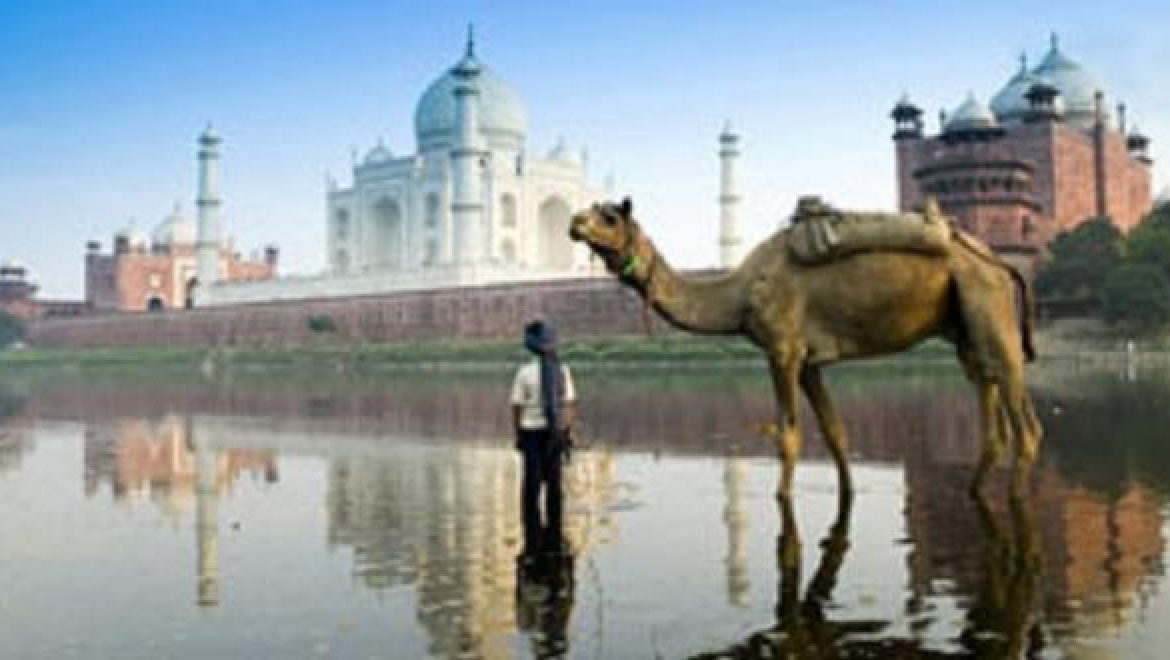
(866, 304)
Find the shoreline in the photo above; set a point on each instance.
(652, 354)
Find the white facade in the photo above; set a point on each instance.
(472, 206)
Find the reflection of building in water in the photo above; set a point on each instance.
(156, 460)
(446, 520)
(206, 524)
(735, 518)
(168, 462)
(14, 444)
(1100, 550)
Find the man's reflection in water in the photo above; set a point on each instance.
(544, 579)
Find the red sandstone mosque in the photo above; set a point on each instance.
(1046, 155)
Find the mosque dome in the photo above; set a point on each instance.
(502, 117)
(134, 236)
(971, 115)
(1011, 102)
(174, 230)
(1077, 87)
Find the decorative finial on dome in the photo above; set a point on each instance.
(1054, 40)
(470, 40)
(1023, 62)
(727, 127)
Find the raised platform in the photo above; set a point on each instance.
(589, 306)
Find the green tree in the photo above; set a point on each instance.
(1136, 295)
(1149, 242)
(11, 329)
(1081, 260)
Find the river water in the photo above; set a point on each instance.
(162, 517)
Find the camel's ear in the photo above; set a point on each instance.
(627, 207)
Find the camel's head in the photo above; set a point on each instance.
(611, 232)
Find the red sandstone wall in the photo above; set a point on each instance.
(101, 290)
(584, 307)
(134, 273)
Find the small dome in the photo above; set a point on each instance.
(971, 115)
(502, 118)
(135, 237)
(562, 153)
(1076, 85)
(378, 154)
(174, 230)
(13, 267)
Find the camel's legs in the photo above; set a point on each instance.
(1025, 426)
(991, 428)
(992, 439)
(830, 422)
(784, 381)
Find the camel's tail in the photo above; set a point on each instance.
(1027, 315)
(1026, 311)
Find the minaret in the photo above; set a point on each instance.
(207, 242)
(466, 205)
(729, 239)
(907, 145)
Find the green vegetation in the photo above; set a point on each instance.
(321, 324)
(1123, 279)
(672, 352)
(11, 330)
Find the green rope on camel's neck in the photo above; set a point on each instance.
(631, 265)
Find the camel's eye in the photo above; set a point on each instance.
(610, 221)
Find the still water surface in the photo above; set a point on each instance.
(380, 519)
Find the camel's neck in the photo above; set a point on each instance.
(712, 306)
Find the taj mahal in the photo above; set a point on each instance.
(472, 206)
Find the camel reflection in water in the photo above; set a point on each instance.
(1001, 619)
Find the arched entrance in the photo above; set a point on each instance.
(386, 247)
(556, 252)
(189, 300)
(155, 304)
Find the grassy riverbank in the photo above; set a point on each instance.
(626, 352)
(1063, 342)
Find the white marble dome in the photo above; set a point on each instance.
(175, 229)
(503, 121)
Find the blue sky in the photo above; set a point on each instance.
(100, 102)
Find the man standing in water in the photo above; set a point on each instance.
(543, 409)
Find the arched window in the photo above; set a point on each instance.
(189, 301)
(432, 212)
(341, 225)
(386, 240)
(431, 253)
(556, 252)
(341, 261)
(508, 251)
(1027, 229)
(508, 210)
